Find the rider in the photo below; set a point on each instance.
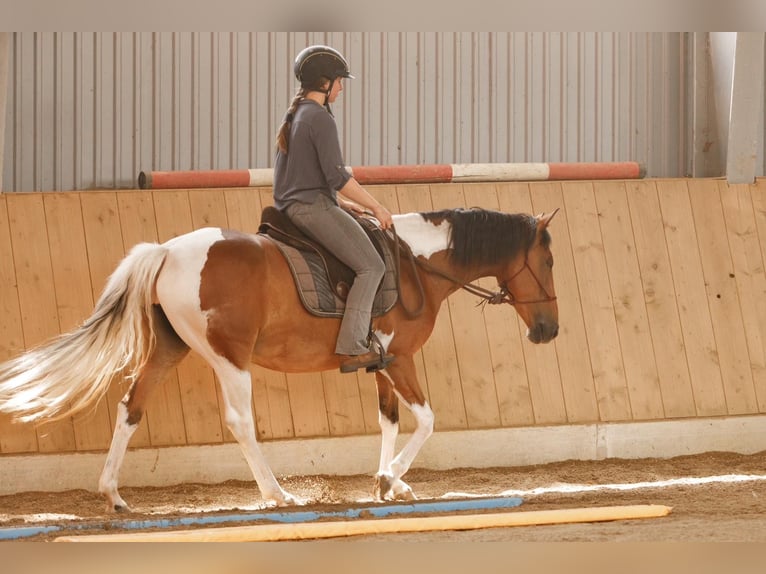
(309, 179)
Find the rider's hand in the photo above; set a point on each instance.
(383, 216)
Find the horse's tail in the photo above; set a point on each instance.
(72, 371)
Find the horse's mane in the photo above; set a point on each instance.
(484, 237)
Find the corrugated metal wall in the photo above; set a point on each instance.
(92, 110)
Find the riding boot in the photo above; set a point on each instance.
(371, 361)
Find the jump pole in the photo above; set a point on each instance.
(401, 174)
(334, 529)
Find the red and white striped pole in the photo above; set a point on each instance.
(401, 174)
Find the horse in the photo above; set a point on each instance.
(230, 297)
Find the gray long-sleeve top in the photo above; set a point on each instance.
(314, 163)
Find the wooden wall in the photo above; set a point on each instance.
(661, 288)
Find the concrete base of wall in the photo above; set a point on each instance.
(359, 454)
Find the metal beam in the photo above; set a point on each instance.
(4, 55)
(706, 154)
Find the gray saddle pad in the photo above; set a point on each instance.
(310, 274)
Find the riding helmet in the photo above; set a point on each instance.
(317, 62)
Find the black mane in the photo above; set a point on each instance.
(483, 237)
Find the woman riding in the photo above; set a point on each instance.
(309, 179)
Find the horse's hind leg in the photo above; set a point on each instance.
(232, 332)
(168, 352)
(236, 389)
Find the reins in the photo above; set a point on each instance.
(398, 243)
(488, 296)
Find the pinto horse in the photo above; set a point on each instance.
(230, 297)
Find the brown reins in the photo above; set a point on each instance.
(492, 297)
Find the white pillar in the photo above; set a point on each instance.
(722, 46)
(746, 107)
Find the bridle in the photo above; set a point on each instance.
(511, 299)
(505, 295)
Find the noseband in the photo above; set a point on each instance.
(506, 296)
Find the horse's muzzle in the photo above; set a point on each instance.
(543, 332)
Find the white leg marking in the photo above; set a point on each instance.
(391, 471)
(107, 484)
(236, 389)
(425, 426)
(389, 431)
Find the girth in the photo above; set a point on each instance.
(323, 281)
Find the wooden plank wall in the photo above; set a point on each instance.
(661, 288)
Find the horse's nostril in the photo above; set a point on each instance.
(543, 332)
(536, 334)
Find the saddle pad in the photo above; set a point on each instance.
(311, 280)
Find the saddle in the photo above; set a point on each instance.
(322, 280)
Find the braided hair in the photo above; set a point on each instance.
(283, 135)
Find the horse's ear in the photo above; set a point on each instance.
(543, 220)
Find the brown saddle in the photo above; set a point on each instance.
(306, 257)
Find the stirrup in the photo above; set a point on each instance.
(385, 358)
(371, 361)
(384, 361)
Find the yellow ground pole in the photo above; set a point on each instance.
(333, 529)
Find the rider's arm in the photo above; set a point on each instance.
(356, 193)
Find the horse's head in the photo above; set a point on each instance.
(530, 285)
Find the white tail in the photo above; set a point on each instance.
(71, 372)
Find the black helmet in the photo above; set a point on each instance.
(317, 62)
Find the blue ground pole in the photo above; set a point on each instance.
(291, 516)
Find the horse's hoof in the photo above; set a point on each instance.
(402, 491)
(118, 507)
(382, 486)
(115, 503)
(285, 499)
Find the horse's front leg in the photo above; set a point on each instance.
(388, 419)
(399, 381)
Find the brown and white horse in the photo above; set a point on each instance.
(228, 296)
